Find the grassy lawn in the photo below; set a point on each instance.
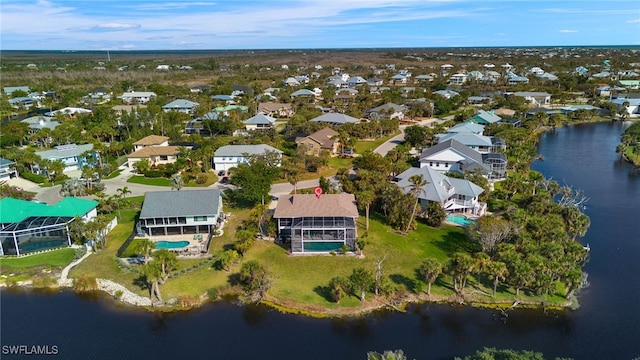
(114, 174)
(364, 145)
(211, 179)
(149, 181)
(633, 157)
(55, 258)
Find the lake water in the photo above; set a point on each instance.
(606, 326)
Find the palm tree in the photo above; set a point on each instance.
(430, 269)
(498, 271)
(123, 191)
(144, 247)
(168, 262)
(365, 198)
(152, 273)
(417, 182)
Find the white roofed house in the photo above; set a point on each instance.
(181, 105)
(457, 79)
(453, 194)
(453, 156)
(180, 213)
(537, 98)
(389, 110)
(7, 169)
(480, 143)
(259, 122)
(137, 97)
(230, 156)
(317, 224)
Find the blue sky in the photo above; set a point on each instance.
(287, 24)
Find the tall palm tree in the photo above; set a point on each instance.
(498, 271)
(430, 269)
(123, 192)
(144, 247)
(417, 182)
(152, 274)
(365, 198)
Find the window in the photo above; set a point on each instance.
(164, 157)
(446, 164)
(437, 164)
(430, 163)
(199, 218)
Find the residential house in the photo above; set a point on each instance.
(480, 143)
(537, 98)
(517, 80)
(155, 149)
(121, 109)
(479, 100)
(23, 102)
(192, 212)
(388, 110)
(137, 97)
(259, 122)
(37, 123)
(324, 139)
(453, 156)
(470, 127)
(303, 93)
(291, 81)
(277, 110)
(181, 105)
(221, 97)
(7, 169)
(200, 88)
(484, 118)
(630, 84)
(547, 77)
(457, 79)
(375, 81)
(29, 226)
(75, 157)
(9, 90)
(629, 105)
(399, 79)
(423, 77)
(163, 67)
(336, 119)
(230, 156)
(317, 224)
(453, 194)
(356, 81)
(447, 94)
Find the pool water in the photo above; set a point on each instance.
(171, 244)
(459, 220)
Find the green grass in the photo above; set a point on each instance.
(633, 157)
(61, 257)
(114, 174)
(364, 145)
(211, 179)
(149, 181)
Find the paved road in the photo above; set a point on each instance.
(398, 139)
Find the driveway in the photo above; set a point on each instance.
(385, 147)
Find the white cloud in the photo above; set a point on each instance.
(634, 21)
(566, 31)
(116, 26)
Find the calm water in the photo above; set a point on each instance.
(607, 325)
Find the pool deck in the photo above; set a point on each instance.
(194, 249)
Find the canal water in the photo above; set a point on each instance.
(606, 326)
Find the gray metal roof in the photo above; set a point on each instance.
(335, 118)
(64, 151)
(181, 104)
(4, 162)
(457, 146)
(241, 150)
(437, 187)
(260, 119)
(467, 138)
(181, 203)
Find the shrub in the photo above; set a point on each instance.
(201, 178)
(85, 283)
(44, 281)
(153, 174)
(118, 294)
(39, 179)
(186, 301)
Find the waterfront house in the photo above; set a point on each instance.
(535, 97)
(29, 226)
(230, 156)
(452, 156)
(9, 90)
(324, 139)
(317, 224)
(484, 118)
(480, 143)
(453, 194)
(182, 212)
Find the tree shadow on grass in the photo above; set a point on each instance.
(141, 281)
(453, 242)
(409, 284)
(324, 291)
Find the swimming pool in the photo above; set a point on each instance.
(459, 219)
(172, 244)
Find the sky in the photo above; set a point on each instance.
(304, 24)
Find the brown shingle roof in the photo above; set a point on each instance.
(273, 106)
(290, 206)
(148, 151)
(323, 137)
(151, 140)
